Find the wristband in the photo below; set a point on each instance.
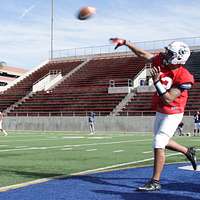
(160, 88)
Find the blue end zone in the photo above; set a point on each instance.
(177, 184)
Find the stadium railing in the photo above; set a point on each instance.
(193, 42)
(82, 114)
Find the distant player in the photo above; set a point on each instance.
(179, 129)
(196, 123)
(1, 127)
(91, 121)
(172, 82)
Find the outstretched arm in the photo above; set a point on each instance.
(138, 51)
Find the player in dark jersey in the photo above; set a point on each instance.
(172, 82)
(91, 121)
(179, 129)
(196, 123)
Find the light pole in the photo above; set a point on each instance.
(52, 27)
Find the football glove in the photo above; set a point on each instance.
(118, 42)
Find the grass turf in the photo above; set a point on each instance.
(26, 156)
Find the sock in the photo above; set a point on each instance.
(155, 181)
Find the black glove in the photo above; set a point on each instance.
(118, 42)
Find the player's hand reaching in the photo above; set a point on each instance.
(118, 42)
(155, 73)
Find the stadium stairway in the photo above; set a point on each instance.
(23, 86)
(140, 104)
(123, 103)
(70, 73)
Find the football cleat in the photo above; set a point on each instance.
(152, 185)
(191, 156)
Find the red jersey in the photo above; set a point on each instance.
(171, 78)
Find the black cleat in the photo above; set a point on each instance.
(191, 156)
(152, 185)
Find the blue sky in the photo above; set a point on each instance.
(25, 25)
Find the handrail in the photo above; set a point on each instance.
(51, 72)
(85, 113)
(147, 45)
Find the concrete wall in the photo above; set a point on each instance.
(110, 123)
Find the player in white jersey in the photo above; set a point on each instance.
(1, 126)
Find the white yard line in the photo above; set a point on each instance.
(145, 152)
(73, 145)
(118, 151)
(105, 143)
(33, 140)
(6, 188)
(73, 137)
(99, 137)
(21, 147)
(91, 149)
(66, 149)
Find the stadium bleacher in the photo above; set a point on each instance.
(87, 89)
(193, 64)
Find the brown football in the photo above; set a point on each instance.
(86, 12)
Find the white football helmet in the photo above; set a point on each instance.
(176, 53)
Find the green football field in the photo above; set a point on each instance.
(27, 156)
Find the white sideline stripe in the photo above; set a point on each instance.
(16, 186)
(73, 145)
(118, 151)
(91, 149)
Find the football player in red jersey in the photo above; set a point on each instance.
(172, 82)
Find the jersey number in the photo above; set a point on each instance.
(166, 82)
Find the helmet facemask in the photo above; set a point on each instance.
(169, 56)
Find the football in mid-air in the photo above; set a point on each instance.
(86, 12)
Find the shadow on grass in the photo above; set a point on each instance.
(30, 174)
